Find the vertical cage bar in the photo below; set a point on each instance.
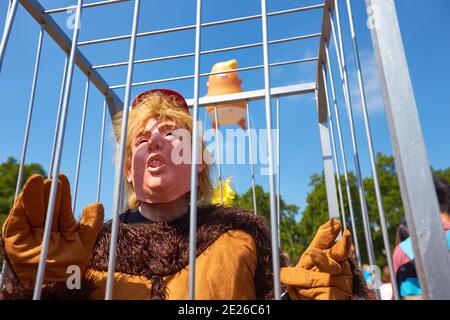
(432, 259)
(218, 153)
(2, 275)
(6, 18)
(250, 147)
(58, 116)
(333, 145)
(273, 216)
(80, 146)
(123, 199)
(384, 230)
(344, 159)
(100, 157)
(278, 169)
(118, 186)
(27, 132)
(58, 153)
(330, 184)
(7, 31)
(340, 52)
(30, 113)
(195, 155)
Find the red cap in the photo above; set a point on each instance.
(165, 92)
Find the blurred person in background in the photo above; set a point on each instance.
(403, 256)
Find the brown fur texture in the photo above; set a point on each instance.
(159, 249)
(14, 289)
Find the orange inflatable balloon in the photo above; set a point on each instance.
(226, 83)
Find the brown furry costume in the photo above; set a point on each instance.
(162, 248)
(158, 249)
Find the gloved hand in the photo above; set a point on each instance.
(70, 243)
(323, 272)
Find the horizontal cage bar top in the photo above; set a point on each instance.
(277, 64)
(52, 28)
(85, 6)
(297, 89)
(186, 55)
(203, 25)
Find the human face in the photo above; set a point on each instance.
(153, 173)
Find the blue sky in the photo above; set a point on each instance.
(426, 50)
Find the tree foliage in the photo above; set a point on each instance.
(296, 235)
(316, 211)
(289, 228)
(8, 179)
(444, 174)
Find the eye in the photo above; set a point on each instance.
(169, 135)
(140, 141)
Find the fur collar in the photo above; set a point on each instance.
(159, 249)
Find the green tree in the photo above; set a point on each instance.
(392, 205)
(8, 180)
(289, 227)
(316, 211)
(444, 174)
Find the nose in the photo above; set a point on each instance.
(156, 142)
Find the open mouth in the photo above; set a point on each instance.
(155, 161)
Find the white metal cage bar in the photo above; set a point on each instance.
(118, 185)
(432, 257)
(80, 145)
(278, 186)
(203, 25)
(344, 159)
(327, 158)
(58, 116)
(250, 149)
(195, 155)
(58, 154)
(62, 40)
(345, 85)
(6, 17)
(206, 52)
(304, 88)
(384, 231)
(30, 114)
(100, 158)
(217, 155)
(11, 13)
(85, 6)
(27, 131)
(324, 132)
(273, 212)
(334, 152)
(276, 64)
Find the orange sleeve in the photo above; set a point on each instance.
(223, 271)
(126, 287)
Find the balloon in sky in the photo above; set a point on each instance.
(225, 83)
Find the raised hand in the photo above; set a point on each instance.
(71, 243)
(323, 272)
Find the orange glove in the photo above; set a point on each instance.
(323, 272)
(70, 243)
